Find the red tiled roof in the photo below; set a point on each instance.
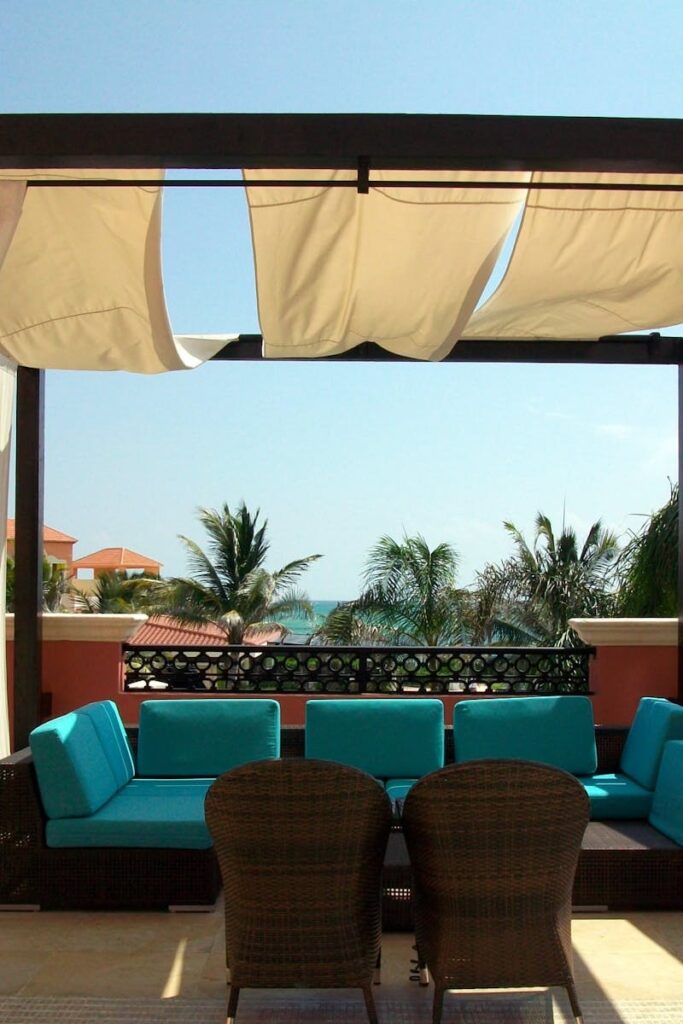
(115, 558)
(164, 631)
(48, 533)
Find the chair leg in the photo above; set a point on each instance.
(437, 1008)
(574, 1000)
(377, 973)
(422, 969)
(233, 999)
(370, 1004)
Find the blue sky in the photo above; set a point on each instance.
(336, 455)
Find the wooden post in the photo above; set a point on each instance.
(28, 549)
(680, 534)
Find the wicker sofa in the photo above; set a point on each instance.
(82, 828)
(632, 851)
(181, 745)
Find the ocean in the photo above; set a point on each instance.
(303, 627)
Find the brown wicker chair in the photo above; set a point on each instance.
(494, 847)
(300, 845)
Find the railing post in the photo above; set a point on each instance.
(362, 674)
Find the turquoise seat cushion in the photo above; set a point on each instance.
(157, 813)
(73, 765)
(667, 802)
(616, 796)
(656, 722)
(205, 737)
(391, 738)
(398, 789)
(557, 731)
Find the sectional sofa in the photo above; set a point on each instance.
(86, 829)
(86, 821)
(632, 851)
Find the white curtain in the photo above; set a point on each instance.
(589, 263)
(81, 287)
(403, 267)
(11, 200)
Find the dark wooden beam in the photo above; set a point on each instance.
(387, 141)
(648, 349)
(680, 534)
(28, 550)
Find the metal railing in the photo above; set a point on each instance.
(353, 670)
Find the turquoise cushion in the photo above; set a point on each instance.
(616, 796)
(206, 737)
(386, 738)
(75, 775)
(398, 789)
(105, 717)
(667, 803)
(146, 812)
(656, 721)
(557, 731)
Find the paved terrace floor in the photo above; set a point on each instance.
(145, 968)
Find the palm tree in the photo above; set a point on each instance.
(536, 591)
(115, 593)
(648, 565)
(409, 596)
(56, 585)
(229, 585)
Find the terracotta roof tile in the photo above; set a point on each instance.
(48, 533)
(116, 558)
(164, 631)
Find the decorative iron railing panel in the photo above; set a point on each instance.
(352, 670)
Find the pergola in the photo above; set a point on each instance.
(360, 144)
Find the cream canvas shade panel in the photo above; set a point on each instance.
(11, 201)
(81, 285)
(590, 263)
(403, 267)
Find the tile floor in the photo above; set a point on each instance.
(134, 961)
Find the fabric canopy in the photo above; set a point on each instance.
(403, 267)
(590, 263)
(81, 286)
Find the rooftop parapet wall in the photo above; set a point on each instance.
(82, 659)
(82, 662)
(634, 658)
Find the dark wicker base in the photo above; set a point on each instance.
(103, 879)
(623, 865)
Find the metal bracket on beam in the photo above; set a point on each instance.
(363, 175)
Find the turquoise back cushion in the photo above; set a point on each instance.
(106, 720)
(204, 738)
(557, 731)
(81, 759)
(656, 721)
(386, 738)
(667, 802)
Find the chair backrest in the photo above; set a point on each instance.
(300, 845)
(494, 846)
(386, 738)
